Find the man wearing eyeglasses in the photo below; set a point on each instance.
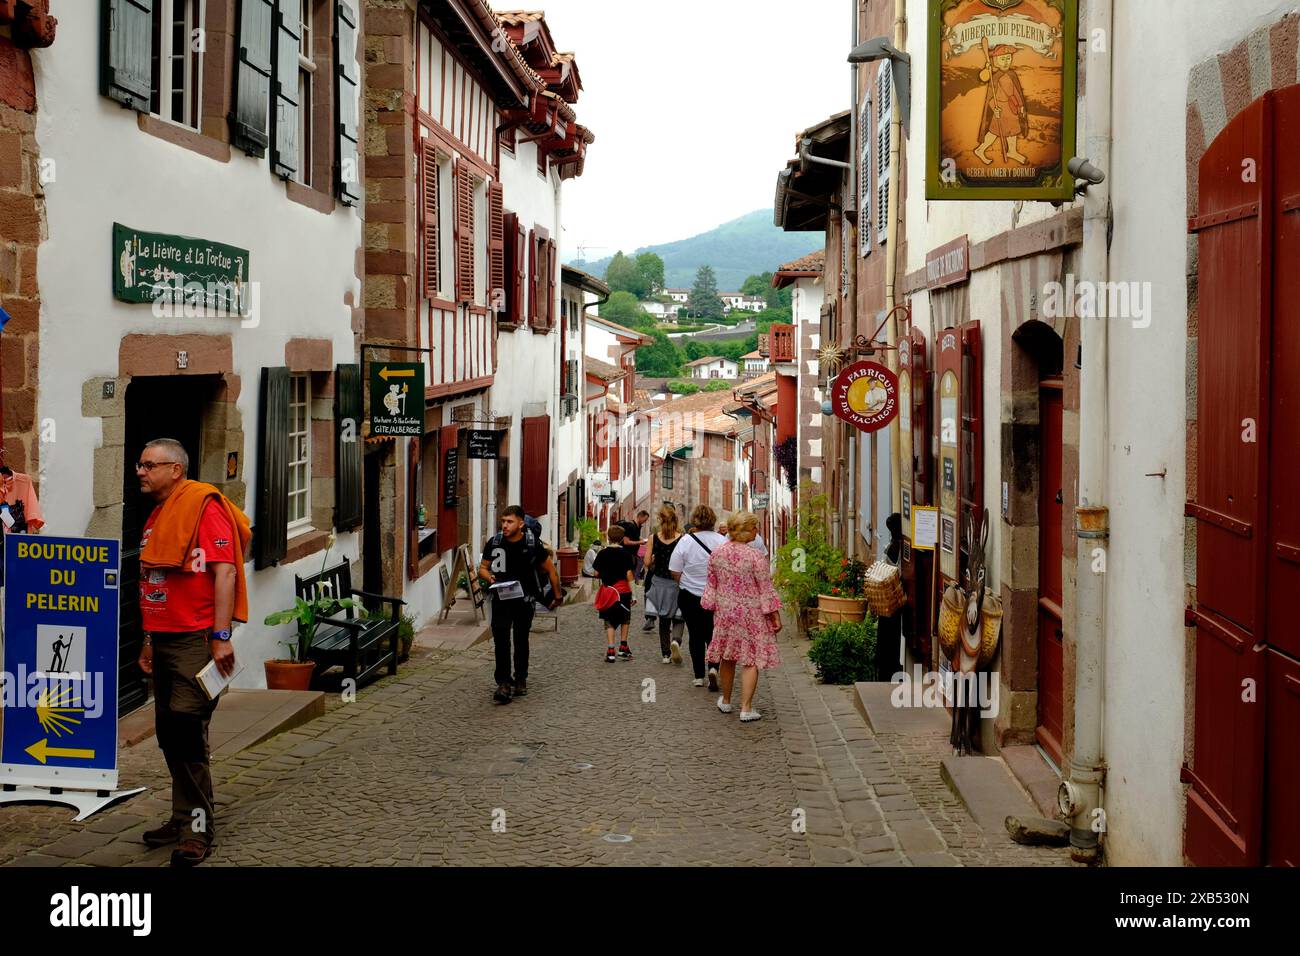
(191, 588)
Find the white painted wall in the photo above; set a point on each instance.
(303, 260)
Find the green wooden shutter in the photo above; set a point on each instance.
(347, 173)
(271, 538)
(286, 153)
(126, 64)
(347, 430)
(248, 122)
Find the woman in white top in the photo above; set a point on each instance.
(689, 567)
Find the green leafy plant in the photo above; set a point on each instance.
(805, 563)
(588, 534)
(850, 582)
(845, 653)
(719, 385)
(405, 629)
(683, 388)
(310, 614)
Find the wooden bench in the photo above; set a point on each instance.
(361, 646)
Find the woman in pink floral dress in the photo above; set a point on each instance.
(746, 614)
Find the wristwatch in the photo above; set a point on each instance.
(223, 635)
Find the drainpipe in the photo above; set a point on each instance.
(851, 256)
(891, 254)
(1080, 796)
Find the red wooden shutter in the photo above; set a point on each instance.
(432, 263)
(519, 270)
(727, 502)
(412, 499)
(971, 440)
(464, 233)
(613, 451)
(448, 440)
(704, 489)
(496, 244)
(536, 473)
(1233, 231)
(532, 278)
(551, 255)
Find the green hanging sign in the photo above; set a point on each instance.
(397, 399)
(192, 276)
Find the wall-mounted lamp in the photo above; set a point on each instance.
(880, 48)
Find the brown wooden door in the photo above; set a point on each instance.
(1051, 653)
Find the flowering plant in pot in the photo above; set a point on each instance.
(295, 672)
(844, 597)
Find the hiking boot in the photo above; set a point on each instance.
(521, 688)
(649, 625)
(191, 852)
(609, 656)
(676, 652)
(713, 678)
(169, 832)
(502, 695)
(625, 652)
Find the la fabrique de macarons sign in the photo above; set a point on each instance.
(866, 396)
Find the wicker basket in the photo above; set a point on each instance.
(991, 621)
(883, 584)
(950, 615)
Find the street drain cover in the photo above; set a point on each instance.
(617, 838)
(496, 760)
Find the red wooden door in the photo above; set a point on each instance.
(536, 473)
(1051, 653)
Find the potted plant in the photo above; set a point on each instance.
(845, 598)
(845, 653)
(803, 563)
(295, 672)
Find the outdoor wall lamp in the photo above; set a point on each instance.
(880, 48)
(1082, 168)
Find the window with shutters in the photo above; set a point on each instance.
(481, 242)
(866, 151)
(884, 117)
(668, 474)
(286, 52)
(435, 222)
(307, 93)
(255, 51)
(347, 170)
(465, 222)
(299, 510)
(177, 61)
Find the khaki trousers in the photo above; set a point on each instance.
(181, 716)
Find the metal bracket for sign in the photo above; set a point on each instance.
(86, 802)
(391, 348)
(871, 344)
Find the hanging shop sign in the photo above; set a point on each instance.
(760, 500)
(1001, 99)
(599, 485)
(397, 399)
(484, 444)
(866, 396)
(59, 732)
(191, 276)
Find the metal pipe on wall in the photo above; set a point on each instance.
(891, 251)
(1080, 796)
(850, 255)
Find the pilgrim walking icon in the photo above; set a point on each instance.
(126, 265)
(63, 647)
(60, 648)
(1004, 106)
(395, 400)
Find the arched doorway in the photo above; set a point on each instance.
(1244, 766)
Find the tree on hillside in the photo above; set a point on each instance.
(696, 350)
(757, 285)
(661, 358)
(650, 268)
(622, 275)
(624, 309)
(704, 301)
(718, 385)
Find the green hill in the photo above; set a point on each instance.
(736, 250)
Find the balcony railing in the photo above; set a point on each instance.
(782, 343)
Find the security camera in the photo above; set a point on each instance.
(1082, 168)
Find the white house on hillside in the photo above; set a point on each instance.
(713, 366)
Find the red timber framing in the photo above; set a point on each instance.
(1244, 771)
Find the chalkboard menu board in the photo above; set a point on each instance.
(484, 444)
(450, 476)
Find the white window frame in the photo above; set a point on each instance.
(299, 386)
(306, 90)
(192, 72)
(884, 117)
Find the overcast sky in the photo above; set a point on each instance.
(695, 104)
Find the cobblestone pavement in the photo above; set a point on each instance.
(419, 769)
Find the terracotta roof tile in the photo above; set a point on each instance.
(604, 371)
(813, 262)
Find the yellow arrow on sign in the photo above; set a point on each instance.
(385, 373)
(41, 750)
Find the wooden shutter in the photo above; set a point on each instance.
(248, 121)
(515, 241)
(551, 270)
(496, 244)
(448, 518)
(866, 150)
(464, 233)
(533, 317)
(286, 152)
(412, 499)
(270, 541)
(704, 489)
(727, 492)
(970, 485)
(536, 465)
(347, 447)
(884, 117)
(127, 52)
(347, 171)
(432, 251)
(1234, 236)
(612, 435)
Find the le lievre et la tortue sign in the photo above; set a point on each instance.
(180, 273)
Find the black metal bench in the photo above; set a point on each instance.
(362, 646)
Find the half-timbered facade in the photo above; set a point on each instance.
(463, 271)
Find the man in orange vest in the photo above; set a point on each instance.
(191, 588)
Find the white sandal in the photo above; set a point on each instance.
(724, 706)
(747, 715)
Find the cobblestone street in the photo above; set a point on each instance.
(419, 768)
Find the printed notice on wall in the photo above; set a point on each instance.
(925, 528)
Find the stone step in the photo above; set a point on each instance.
(990, 793)
(1041, 779)
(243, 719)
(876, 702)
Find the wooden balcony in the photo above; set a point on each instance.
(782, 343)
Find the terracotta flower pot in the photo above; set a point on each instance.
(287, 675)
(838, 610)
